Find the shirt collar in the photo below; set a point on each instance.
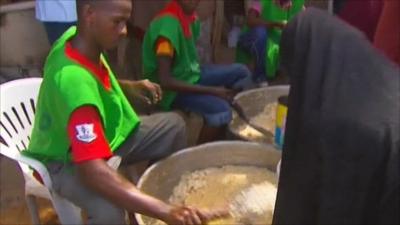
(173, 8)
(99, 70)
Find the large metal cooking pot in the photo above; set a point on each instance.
(253, 103)
(160, 179)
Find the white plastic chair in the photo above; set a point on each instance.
(18, 99)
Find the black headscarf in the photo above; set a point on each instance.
(341, 162)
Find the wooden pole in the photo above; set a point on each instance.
(217, 28)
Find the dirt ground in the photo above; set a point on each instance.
(19, 215)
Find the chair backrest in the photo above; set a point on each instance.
(18, 100)
(17, 110)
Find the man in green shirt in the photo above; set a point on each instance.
(170, 58)
(83, 118)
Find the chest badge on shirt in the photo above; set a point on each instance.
(85, 133)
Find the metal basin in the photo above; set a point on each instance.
(253, 103)
(160, 179)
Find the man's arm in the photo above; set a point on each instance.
(98, 176)
(89, 153)
(168, 82)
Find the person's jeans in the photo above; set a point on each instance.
(54, 30)
(215, 111)
(234, 76)
(254, 42)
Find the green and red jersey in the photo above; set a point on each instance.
(71, 82)
(181, 31)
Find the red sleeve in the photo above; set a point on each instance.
(87, 137)
(387, 35)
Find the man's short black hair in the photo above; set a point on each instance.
(81, 3)
(95, 3)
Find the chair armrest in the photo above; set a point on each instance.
(15, 155)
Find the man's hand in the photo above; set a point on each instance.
(224, 93)
(192, 216)
(153, 88)
(141, 89)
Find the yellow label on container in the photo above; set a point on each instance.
(281, 113)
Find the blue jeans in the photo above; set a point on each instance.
(254, 42)
(215, 111)
(54, 30)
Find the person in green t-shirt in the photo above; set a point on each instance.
(260, 38)
(83, 120)
(170, 58)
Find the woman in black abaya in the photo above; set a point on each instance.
(340, 162)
